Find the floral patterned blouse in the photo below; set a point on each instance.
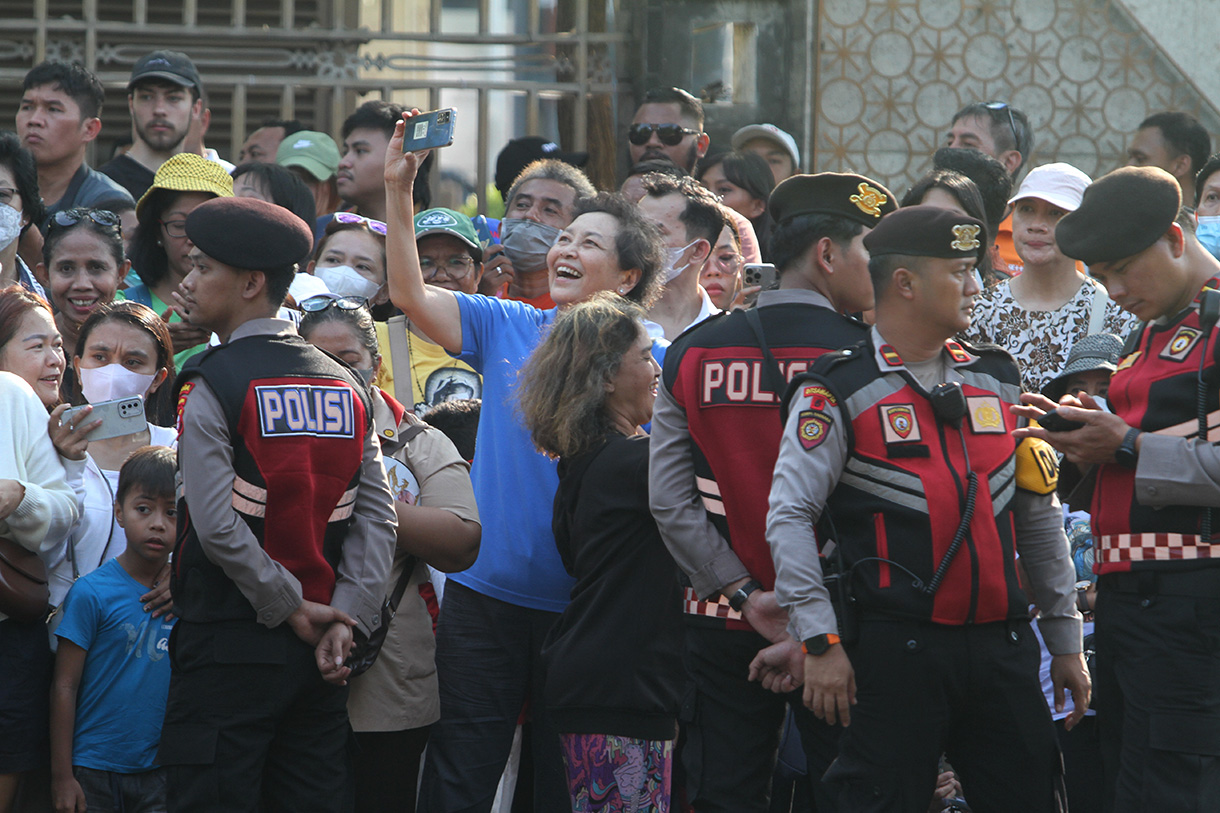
(1041, 340)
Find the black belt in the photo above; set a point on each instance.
(1198, 583)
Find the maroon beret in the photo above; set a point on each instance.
(927, 231)
(249, 233)
(1122, 214)
(844, 194)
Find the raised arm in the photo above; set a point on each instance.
(434, 310)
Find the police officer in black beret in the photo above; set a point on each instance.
(715, 432)
(901, 448)
(285, 532)
(1153, 503)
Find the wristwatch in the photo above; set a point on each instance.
(1126, 455)
(818, 644)
(738, 599)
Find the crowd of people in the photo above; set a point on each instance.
(737, 488)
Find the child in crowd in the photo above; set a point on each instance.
(112, 666)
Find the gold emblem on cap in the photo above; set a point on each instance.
(967, 238)
(869, 200)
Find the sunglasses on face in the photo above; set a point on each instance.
(669, 134)
(319, 303)
(351, 217)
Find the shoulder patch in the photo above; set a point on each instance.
(812, 428)
(890, 355)
(182, 394)
(957, 352)
(1180, 345)
(819, 397)
(1037, 466)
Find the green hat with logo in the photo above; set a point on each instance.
(314, 152)
(447, 221)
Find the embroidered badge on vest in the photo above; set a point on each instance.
(812, 428)
(182, 394)
(1127, 361)
(985, 415)
(869, 200)
(306, 409)
(957, 352)
(819, 397)
(899, 423)
(967, 238)
(890, 355)
(1180, 345)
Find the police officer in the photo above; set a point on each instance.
(715, 432)
(285, 532)
(1158, 593)
(902, 448)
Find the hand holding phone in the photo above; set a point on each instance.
(123, 416)
(428, 131)
(1054, 422)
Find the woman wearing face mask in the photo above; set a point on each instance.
(393, 705)
(350, 259)
(1038, 315)
(123, 351)
(82, 258)
(1207, 205)
(160, 248)
(518, 584)
(20, 206)
(37, 507)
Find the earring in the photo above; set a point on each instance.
(622, 290)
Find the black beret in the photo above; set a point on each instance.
(831, 193)
(1122, 214)
(249, 233)
(926, 231)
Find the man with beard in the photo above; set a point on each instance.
(164, 95)
(668, 126)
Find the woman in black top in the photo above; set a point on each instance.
(613, 660)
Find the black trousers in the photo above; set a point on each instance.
(732, 727)
(971, 692)
(1158, 690)
(250, 725)
(385, 769)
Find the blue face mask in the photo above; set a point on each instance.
(1208, 232)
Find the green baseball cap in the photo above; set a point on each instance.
(312, 151)
(447, 221)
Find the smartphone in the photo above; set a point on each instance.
(1054, 422)
(760, 274)
(427, 131)
(124, 416)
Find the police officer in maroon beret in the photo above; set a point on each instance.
(285, 532)
(901, 449)
(1156, 489)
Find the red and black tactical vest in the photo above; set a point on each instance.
(297, 420)
(1156, 389)
(717, 375)
(902, 493)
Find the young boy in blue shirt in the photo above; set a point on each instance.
(112, 667)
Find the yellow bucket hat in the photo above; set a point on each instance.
(187, 172)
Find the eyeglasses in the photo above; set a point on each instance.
(456, 267)
(670, 134)
(993, 106)
(7, 193)
(174, 228)
(351, 217)
(70, 217)
(321, 302)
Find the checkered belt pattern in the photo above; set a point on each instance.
(1114, 548)
(693, 605)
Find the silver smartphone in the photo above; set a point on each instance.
(123, 416)
(760, 274)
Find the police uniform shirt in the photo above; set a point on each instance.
(808, 469)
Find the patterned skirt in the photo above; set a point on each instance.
(609, 774)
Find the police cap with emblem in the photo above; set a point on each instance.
(1122, 214)
(248, 233)
(831, 193)
(927, 231)
(454, 224)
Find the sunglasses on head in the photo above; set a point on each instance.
(70, 217)
(351, 217)
(1016, 139)
(670, 134)
(344, 303)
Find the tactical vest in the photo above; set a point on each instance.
(1156, 389)
(297, 419)
(718, 375)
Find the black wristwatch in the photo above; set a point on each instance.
(738, 599)
(819, 644)
(1126, 455)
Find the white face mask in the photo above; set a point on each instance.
(675, 254)
(10, 225)
(347, 281)
(112, 382)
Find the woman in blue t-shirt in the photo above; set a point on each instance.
(497, 613)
